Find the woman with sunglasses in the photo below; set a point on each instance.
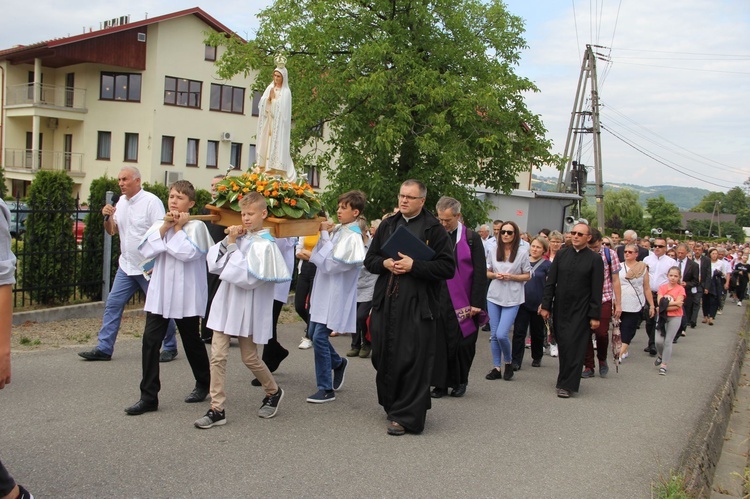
(635, 294)
(509, 269)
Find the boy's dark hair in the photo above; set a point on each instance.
(354, 200)
(596, 235)
(184, 187)
(253, 197)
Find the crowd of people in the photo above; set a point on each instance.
(413, 290)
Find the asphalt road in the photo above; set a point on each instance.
(64, 432)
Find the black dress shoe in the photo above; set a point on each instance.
(197, 395)
(459, 391)
(536, 363)
(437, 393)
(141, 407)
(95, 354)
(652, 352)
(255, 382)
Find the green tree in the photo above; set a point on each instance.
(3, 187)
(736, 202)
(664, 215)
(390, 90)
(622, 210)
(49, 231)
(708, 202)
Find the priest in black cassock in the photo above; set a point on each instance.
(463, 298)
(573, 294)
(405, 308)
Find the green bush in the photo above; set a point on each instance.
(93, 238)
(49, 231)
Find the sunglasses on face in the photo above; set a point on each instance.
(507, 232)
(660, 246)
(607, 244)
(630, 252)
(579, 234)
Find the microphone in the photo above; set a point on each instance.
(115, 199)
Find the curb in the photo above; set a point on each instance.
(80, 311)
(701, 456)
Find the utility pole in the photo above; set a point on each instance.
(587, 87)
(718, 219)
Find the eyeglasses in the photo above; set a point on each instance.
(660, 245)
(409, 198)
(630, 252)
(579, 234)
(554, 241)
(607, 244)
(507, 232)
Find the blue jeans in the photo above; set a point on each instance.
(501, 323)
(325, 355)
(124, 287)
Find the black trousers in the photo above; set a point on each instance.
(6, 481)
(359, 339)
(697, 305)
(302, 292)
(524, 319)
(651, 325)
(273, 352)
(195, 351)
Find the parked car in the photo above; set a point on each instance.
(79, 225)
(18, 215)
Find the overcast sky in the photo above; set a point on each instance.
(674, 90)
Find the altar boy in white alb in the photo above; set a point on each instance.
(338, 257)
(178, 290)
(249, 264)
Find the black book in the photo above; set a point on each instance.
(403, 241)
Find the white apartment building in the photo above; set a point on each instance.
(139, 93)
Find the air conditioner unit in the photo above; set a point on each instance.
(52, 123)
(171, 177)
(226, 136)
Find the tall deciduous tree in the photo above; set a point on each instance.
(400, 89)
(664, 215)
(622, 210)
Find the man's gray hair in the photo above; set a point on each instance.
(629, 235)
(484, 227)
(132, 169)
(446, 202)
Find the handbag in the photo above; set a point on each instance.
(645, 309)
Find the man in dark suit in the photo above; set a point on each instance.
(689, 270)
(704, 276)
(631, 237)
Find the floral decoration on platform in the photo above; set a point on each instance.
(284, 199)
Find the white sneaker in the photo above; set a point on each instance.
(720, 312)
(305, 344)
(739, 303)
(553, 350)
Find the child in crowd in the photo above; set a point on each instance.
(249, 264)
(675, 296)
(338, 257)
(179, 291)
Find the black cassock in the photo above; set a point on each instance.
(574, 295)
(455, 353)
(403, 322)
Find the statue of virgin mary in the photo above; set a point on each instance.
(274, 125)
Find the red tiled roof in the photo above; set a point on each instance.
(196, 11)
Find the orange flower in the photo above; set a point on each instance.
(245, 189)
(293, 202)
(259, 189)
(235, 187)
(274, 194)
(222, 188)
(266, 193)
(286, 200)
(239, 196)
(254, 176)
(275, 185)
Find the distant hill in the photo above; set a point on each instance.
(684, 197)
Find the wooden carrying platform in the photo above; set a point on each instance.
(280, 227)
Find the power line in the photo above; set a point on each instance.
(686, 69)
(645, 153)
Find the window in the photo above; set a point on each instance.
(313, 176)
(227, 99)
(256, 103)
(131, 147)
(235, 156)
(167, 150)
(182, 92)
(212, 154)
(210, 53)
(251, 157)
(104, 145)
(191, 156)
(120, 86)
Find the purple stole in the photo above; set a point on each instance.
(459, 286)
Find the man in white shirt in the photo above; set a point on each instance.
(135, 213)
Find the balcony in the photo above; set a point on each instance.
(50, 97)
(21, 160)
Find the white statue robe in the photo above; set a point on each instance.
(273, 141)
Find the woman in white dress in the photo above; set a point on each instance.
(274, 127)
